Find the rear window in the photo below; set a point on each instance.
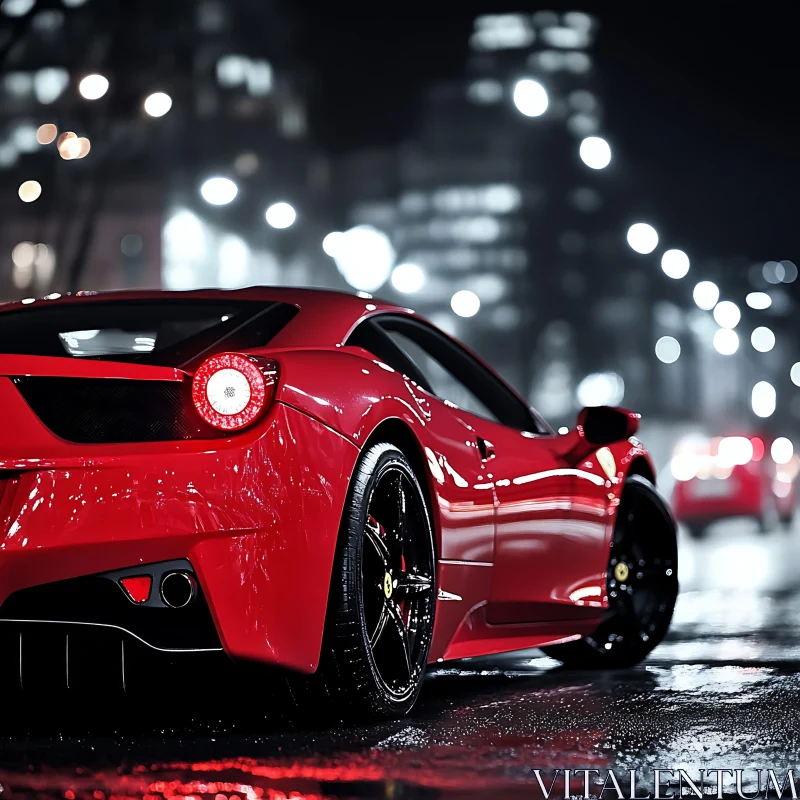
(164, 332)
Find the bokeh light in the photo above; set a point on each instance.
(794, 373)
(219, 191)
(727, 314)
(762, 339)
(726, 341)
(763, 399)
(408, 278)
(595, 152)
(642, 238)
(734, 451)
(675, 264)
(281, 215)
(782, 450)
(668, 349)
(772, 272)
(465, 303)
(16, 8)
(706, 295)
(331, 242)
(530, 98)
(93, 87)
(157, 104)
(758, 300)
(789, 271)
(23, 254)
(29, 191)
(364, 256)
(68, 145)
(46, 133)
(601, 389)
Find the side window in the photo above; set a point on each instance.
(442, 382)
(376, 341)
(455, 375)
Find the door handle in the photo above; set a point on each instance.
(485, 448)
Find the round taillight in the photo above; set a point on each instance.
(231, 390)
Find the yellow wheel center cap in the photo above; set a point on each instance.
(387, 585)
(621, 572)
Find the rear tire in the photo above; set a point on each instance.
(642, 584)
(383, 595)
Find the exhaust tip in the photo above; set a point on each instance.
(178, 589)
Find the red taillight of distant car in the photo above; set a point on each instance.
(230, 391)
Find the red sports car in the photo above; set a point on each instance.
(309, 481)
(733, 476)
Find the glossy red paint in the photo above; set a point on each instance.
(523, 522)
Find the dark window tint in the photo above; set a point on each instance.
(166, 332)
(443, 368)
(442, 382)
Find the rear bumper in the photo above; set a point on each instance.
(745, 498)
(257, 517)
(41, 657)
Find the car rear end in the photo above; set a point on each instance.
(133, 527)
(731, 476)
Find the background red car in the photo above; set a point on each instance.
(305, 480)
(732, 476)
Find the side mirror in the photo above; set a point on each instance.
(601, 425)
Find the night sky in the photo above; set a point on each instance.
(701, 100)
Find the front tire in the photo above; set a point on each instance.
(642, 584)
(383, 596)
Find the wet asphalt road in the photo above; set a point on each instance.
(723, 691)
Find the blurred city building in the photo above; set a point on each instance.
(509, 194)
(148, 140)
(155, 144)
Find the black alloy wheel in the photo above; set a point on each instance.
(642, 584)
(383, 597)
(397, 581)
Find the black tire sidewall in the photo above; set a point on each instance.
(348, 599)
